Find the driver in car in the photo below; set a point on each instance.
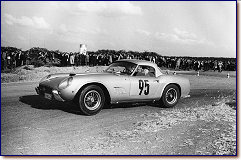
(142, 71)
(130, 70)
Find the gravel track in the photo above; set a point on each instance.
(203, 124)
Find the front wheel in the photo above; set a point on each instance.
(91, 100)
(170, 96)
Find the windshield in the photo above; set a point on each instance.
(162, 72)
(122, 68)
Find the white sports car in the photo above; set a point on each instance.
(128, 80)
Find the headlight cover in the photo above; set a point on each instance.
(45, 78)
(65, 83)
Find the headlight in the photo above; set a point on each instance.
(65, 83)
(45, 78)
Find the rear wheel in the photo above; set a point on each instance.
(170, 96)
(91, 100)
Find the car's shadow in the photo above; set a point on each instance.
(38, 102)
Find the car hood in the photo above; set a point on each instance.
(56, 79)
(53, 82)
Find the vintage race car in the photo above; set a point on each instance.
(128, 80)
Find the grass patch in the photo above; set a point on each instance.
(30, 73)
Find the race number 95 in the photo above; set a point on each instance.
(143, 85)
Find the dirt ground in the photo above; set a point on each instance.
(204, 124)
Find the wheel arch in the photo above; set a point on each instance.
(176, 84)
(105, 90)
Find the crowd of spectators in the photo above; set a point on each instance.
(12, 58)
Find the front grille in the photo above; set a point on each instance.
(45, 89)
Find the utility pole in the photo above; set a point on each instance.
(29, 40)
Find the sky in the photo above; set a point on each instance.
(198, 29)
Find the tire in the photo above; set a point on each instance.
(170, 96)
(91, 100)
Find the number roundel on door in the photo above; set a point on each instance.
(144, 85)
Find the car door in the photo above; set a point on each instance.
(119, 87)
(143, 87)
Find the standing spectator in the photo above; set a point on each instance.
(67, 59)
(87, 59)
(211, 64)
(189, 63)
(186, 64)
(206, 66)
(228, 66)
(19, 59)
(27, 58)
(94, 60)
(8, 59)
(82, 59)
(225, 64)
(71, 59)
(220, 65)
(128, 56)
(97, 60)
(3, 60)
(178, 63)
(24, 58)
(13, 62)
(196, 65)
(110, 59)
(173, 63)
(41, 57)
(61, 60)
(53, 57)
(79, 59)
(164, 62)
(120, 57)
(153, 59)
(76, 59)
(115, 58)
(215, 66)
(201, 65)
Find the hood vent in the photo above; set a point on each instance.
(72, 74)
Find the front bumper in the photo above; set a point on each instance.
(186, 96)
(55, 95)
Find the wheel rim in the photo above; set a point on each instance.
(92, 100)
(171, 96)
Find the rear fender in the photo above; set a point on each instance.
(180, 82)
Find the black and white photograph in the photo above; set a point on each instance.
(119, 78)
